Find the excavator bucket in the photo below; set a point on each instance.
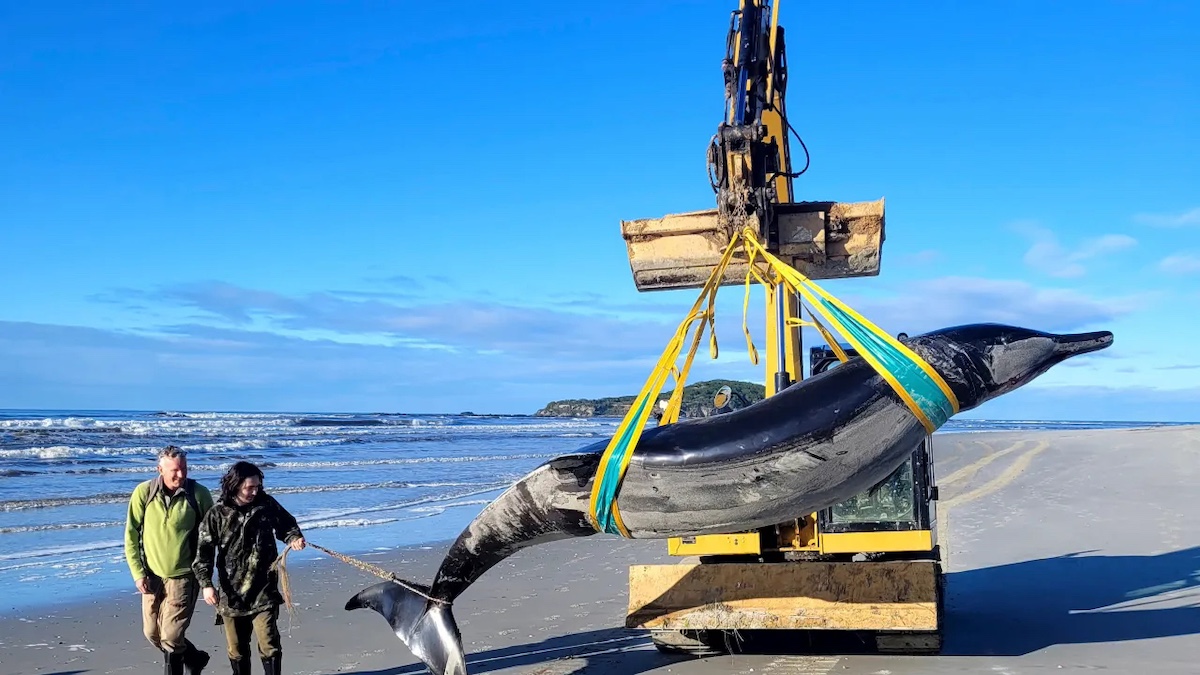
(822, 240)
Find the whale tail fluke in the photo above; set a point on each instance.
(425, 626)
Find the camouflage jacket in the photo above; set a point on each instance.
(240, 540)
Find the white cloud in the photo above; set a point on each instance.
(948, 301)
(1109, 243)
(251, 348)
(1185, 219)
(1049, 256)
(572, 330)
(199, 367)
(1180, 263)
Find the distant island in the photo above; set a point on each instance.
(697, 401)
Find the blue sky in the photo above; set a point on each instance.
(324, 206)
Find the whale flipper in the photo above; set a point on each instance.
(425, 626)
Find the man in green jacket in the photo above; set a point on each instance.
(161, 531)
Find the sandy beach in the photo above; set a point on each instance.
(1065, 550)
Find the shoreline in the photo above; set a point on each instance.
(99, 570)
(297, 562)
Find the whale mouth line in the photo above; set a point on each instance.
(1082, 343)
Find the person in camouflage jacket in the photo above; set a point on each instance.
(238, 536)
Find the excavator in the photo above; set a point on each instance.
(871, 566)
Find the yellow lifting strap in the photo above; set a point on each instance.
(916, 382)
(603, 512)
(920, 387)
(816, 323)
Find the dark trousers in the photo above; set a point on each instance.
(264, 625)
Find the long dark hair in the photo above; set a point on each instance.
(232, 480)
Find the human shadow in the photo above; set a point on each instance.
(1022, 607)
(594, 652)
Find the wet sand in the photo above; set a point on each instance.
(1065, 550)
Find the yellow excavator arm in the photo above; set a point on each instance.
(749, 164)
(750, 169)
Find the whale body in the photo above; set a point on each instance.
(807, 448)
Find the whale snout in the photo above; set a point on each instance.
(1081, 343)
(1005, 358)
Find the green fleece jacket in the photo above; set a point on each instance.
(158, 534)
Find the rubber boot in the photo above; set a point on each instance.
(194, 660)
(240, 666)
(173, 663)
(273, 665)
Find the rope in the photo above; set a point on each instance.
(285, 588)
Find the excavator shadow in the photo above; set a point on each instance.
(1019, 608)
(1023, 607)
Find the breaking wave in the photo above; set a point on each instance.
(123, 497)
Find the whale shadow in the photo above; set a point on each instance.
(594, 652)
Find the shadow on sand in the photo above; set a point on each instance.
(1007, 610)
(1078, 598)
(610, 650)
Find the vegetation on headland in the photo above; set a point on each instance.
(697, 401)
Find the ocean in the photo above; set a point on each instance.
(356, 482)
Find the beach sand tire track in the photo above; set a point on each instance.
(1006, 478)
(968, 472)
(795, 665)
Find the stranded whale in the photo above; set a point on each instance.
(807, 448)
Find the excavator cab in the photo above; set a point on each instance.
(902, 502)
